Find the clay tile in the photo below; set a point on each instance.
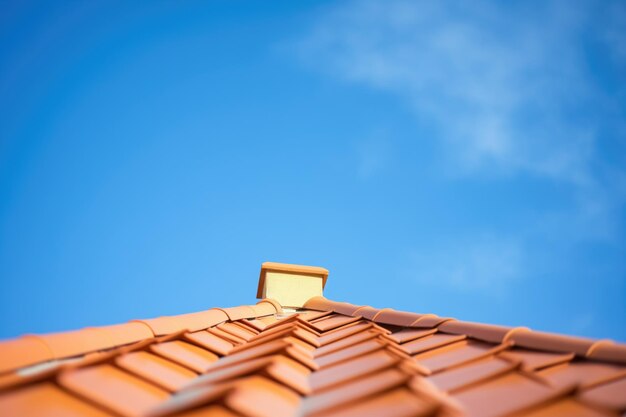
(345, 308)
(201, 320)
(319, 303)
(428, 321)
(24, 351)
(398, 318)
(241, 312)
(552, 342)
(485, 332)
(264, 309)
(366, 312)
(161, 326)
(608, 351)
(113, 389)
(46, 399)
(126, 333)
(77, 342)
(191, 356)
(275, 303)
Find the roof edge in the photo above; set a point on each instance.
(33, 349)
(602, 350)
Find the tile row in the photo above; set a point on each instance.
(603, 350)
(33, 349)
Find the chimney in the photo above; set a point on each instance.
(291, 285)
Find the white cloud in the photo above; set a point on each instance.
(507, 86)
(510, 90)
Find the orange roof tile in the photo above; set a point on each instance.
(329, 358)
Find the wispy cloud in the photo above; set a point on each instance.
(507, 86)
(511, 89)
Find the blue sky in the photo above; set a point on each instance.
(460, 158)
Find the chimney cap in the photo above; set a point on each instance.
(314, 271)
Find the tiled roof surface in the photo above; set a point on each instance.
(328, 359)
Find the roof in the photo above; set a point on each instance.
(327, 359)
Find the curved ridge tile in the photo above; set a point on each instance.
(162, 326)
(395, 317)
(610, 352)
(366, 312)
(277, 307)
(345, 308)
(77, 342)
(264, 309)
(552, 342)
(126, 333)
(429, 321)
(24, 351)
(200, 320)
(486, 332)
(319, 303)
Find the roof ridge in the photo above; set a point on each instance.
(33, 349)
(597, 349)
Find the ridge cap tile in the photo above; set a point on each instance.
(395, 317)
(23, 351)
(319, 303)
(608, 352)
(552, 342)
(367, 312)
(487, 332)
(278, 308)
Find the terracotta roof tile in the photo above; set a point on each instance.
(345, 342)
(486, 332)
(212, 411)
(533, 360)
(190, 400)
(346, 393)
(260, 397)
(456, 354)
(351, 369)
(506, 394)
(552, 342)
(581, 373)
(126, 333)
(343, 332)
(349, 353)
(609, 352)
(191, 356)
(431, 342)
(161, 326)
(24, 351)
(331, 359)
(472, 373)
(67, 344)
(113, 389)
(236, 340)
(398, 318)
(290, 373)
(201, 320)
(406, 335)
(210, 341)
(611, 395)
(237, 331)
(333, 322)
(367, 312)
(567, 407)
(399, 402)
(46, 400)
(161, 372)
